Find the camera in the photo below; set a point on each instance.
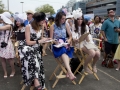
(3, 44)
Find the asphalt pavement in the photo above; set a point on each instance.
(109, 78)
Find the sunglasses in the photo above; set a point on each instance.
(79, 19)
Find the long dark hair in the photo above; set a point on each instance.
(15, 28)
(98, 17)
(83, 26)
(59, 17)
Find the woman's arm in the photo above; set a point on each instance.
(6, 27)
(69, 33)
(51, 31)
(42, 31)
(27, 36)
(87, 31)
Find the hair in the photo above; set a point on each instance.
(109, 10)
(15, 28)
(37, 17)
(83, 26)
(51, 18)
(86, 21)
(59, 17)
(98, 17)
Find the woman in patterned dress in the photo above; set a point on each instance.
(19, 29)
(31, 59)
(59, 31)
(6, 51)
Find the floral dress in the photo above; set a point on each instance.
(31, 61)
(8, 51)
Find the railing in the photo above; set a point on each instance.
(102, 7)
(101, 2)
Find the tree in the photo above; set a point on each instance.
(46, 9)
(1, 7)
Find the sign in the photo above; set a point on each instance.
(90, 16)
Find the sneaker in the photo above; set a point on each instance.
(104, 64)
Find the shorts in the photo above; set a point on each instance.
(110, 47)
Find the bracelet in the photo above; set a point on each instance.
(37, 42)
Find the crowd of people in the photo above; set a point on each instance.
(31, 36)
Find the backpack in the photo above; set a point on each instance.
(74, 64)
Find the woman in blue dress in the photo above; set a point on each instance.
(59, 31)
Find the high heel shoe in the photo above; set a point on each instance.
(12, 75)
(87, 70)
(5, 76)
(117, 69)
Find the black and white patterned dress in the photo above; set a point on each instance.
(31, 61)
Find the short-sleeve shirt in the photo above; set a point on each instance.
(26, 22)
(108, 28)
(93, 29)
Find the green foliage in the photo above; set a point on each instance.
(1, 7)
(46, 9)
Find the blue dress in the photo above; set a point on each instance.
(60, 33)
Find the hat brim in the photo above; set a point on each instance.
(29, 12)
(5, 19)
(70, 16)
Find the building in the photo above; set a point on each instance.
(118, 8)
(81, 5)
(70, 4)
(100, 7)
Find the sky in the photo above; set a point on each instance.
(16, 6)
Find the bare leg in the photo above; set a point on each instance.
(95, 59)
(66, 61)
(44, 49)
(3, 61)
(11, 61)
(91, 54)
(118, 67)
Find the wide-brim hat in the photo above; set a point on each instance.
(69, 16)
(5, 19)
(20, 18)
(7, 14)
(30, 11)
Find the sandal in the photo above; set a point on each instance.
(38, 88)
(94, 69)
(70, 76)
